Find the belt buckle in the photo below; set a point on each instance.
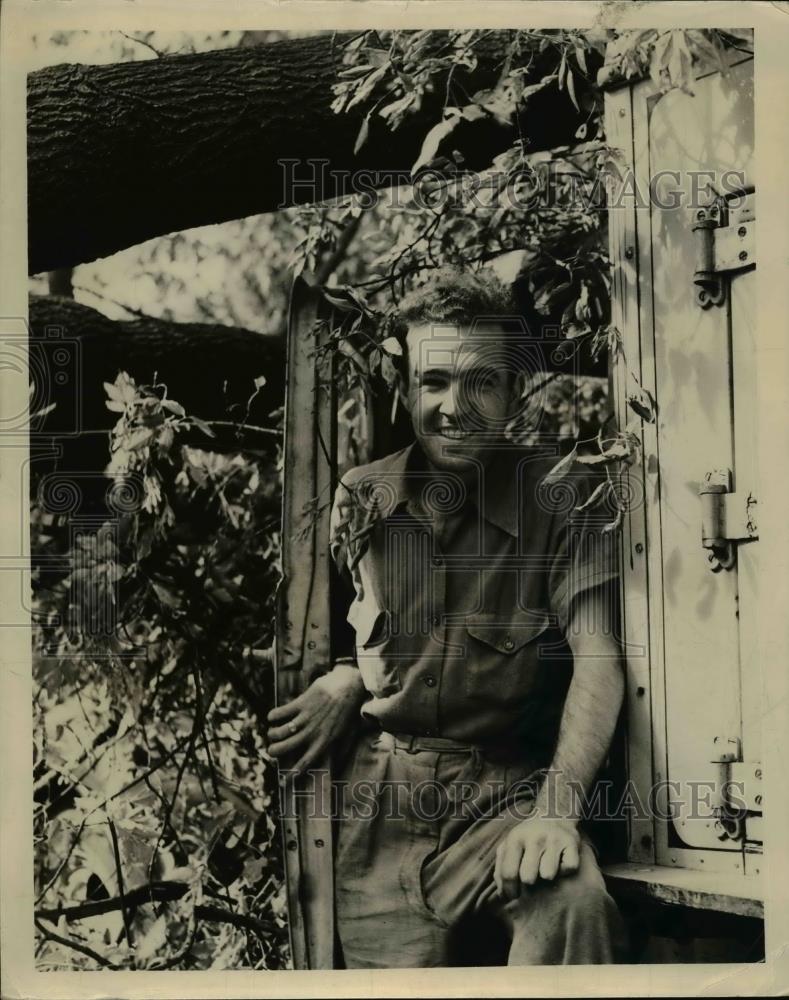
(404, 741)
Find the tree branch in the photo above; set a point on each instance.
(83, 949)
(156, 892)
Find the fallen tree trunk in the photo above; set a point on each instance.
(122, 153)
(209, 369)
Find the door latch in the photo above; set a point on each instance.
(726, 518)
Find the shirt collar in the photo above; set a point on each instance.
(502, 495)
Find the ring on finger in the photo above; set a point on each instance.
(292, 728)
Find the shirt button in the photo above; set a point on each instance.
(430, 680)
(509, 644)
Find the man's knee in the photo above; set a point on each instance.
(577, 894)
(583, 895)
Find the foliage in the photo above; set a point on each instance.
(151, 774)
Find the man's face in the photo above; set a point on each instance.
(461, 393)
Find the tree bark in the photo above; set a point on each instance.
(209, 370)
(122, 153)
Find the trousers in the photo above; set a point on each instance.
(416, 846)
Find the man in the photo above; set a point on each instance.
(485, 668)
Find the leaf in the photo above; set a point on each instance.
(138, 439)
(388, 370)
(562, 69)
(595, 495)
(562, 467)
(580, 56)
(642, 403)
(571, 89)
(167, 596)
(613, 525)
(434, 138)
(202, 425)
(617, 451)
(366, 88)
(392, 346)
(346, 299)
(154, 941)
(43, 411)
(398, 107)
(173, 407)
(115, 406)
(166, 438)
(113, 391)
(364, 132)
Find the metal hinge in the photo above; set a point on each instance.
(725, 244)
(726, 518)
(739, 794)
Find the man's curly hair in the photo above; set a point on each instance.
(455, 296)
(459, 297)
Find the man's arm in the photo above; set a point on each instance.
(304, 729)
(548, 843)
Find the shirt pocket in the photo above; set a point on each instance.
(502, 656)
(374, 647)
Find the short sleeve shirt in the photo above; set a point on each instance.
(463, 591)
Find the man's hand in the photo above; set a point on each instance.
(308, 725)
(536, 848)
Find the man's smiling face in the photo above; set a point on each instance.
(461, 393)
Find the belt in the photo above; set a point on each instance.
(404, 741)
(495, 753)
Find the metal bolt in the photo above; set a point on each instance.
(319, 843)
(310, 644)
(292, 845)
(743, 255)
(629, 253)
(742, 231)
(758, 800)
(639, 547)
(758, 772)
(622, 112)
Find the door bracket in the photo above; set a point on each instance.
(725, 244)
(738, 797)
(726, 518)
